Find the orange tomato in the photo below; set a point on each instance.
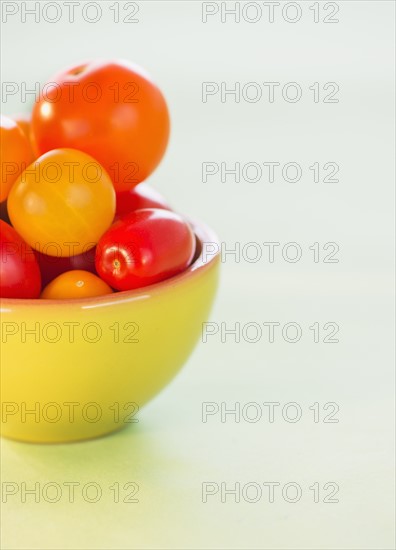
(24, 121)
(15, 154)
(63, 203)
(111, 110)
(75, 284)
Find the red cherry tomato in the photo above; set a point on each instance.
(143, 248)
(19, 271)
(109, 109)
(53, 266)
(142, 196)
(75, 284)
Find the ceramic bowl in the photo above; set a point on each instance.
(79, 369)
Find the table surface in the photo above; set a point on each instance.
(186, 455)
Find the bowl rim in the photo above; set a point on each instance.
(204, 234)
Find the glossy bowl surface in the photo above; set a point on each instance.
(78, 369)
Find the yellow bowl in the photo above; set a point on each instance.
(79, 369)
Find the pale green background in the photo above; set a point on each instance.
(170, 452)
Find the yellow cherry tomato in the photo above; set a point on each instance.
(75, 284)
(62, 203)
(15, 154)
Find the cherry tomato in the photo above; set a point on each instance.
(63, 203)
(75, 284)
(52, 266)
(142, 196)
(19, 271)
(144, 247)
(15, 154)
(24, 121)
(109, 109)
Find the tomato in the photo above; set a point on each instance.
(24, 121)
(52, 266)
(109, 109)
(63, 203)
(144, 247)
(75, 284)
(15, 154)
(19, 270)
(142, 196)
